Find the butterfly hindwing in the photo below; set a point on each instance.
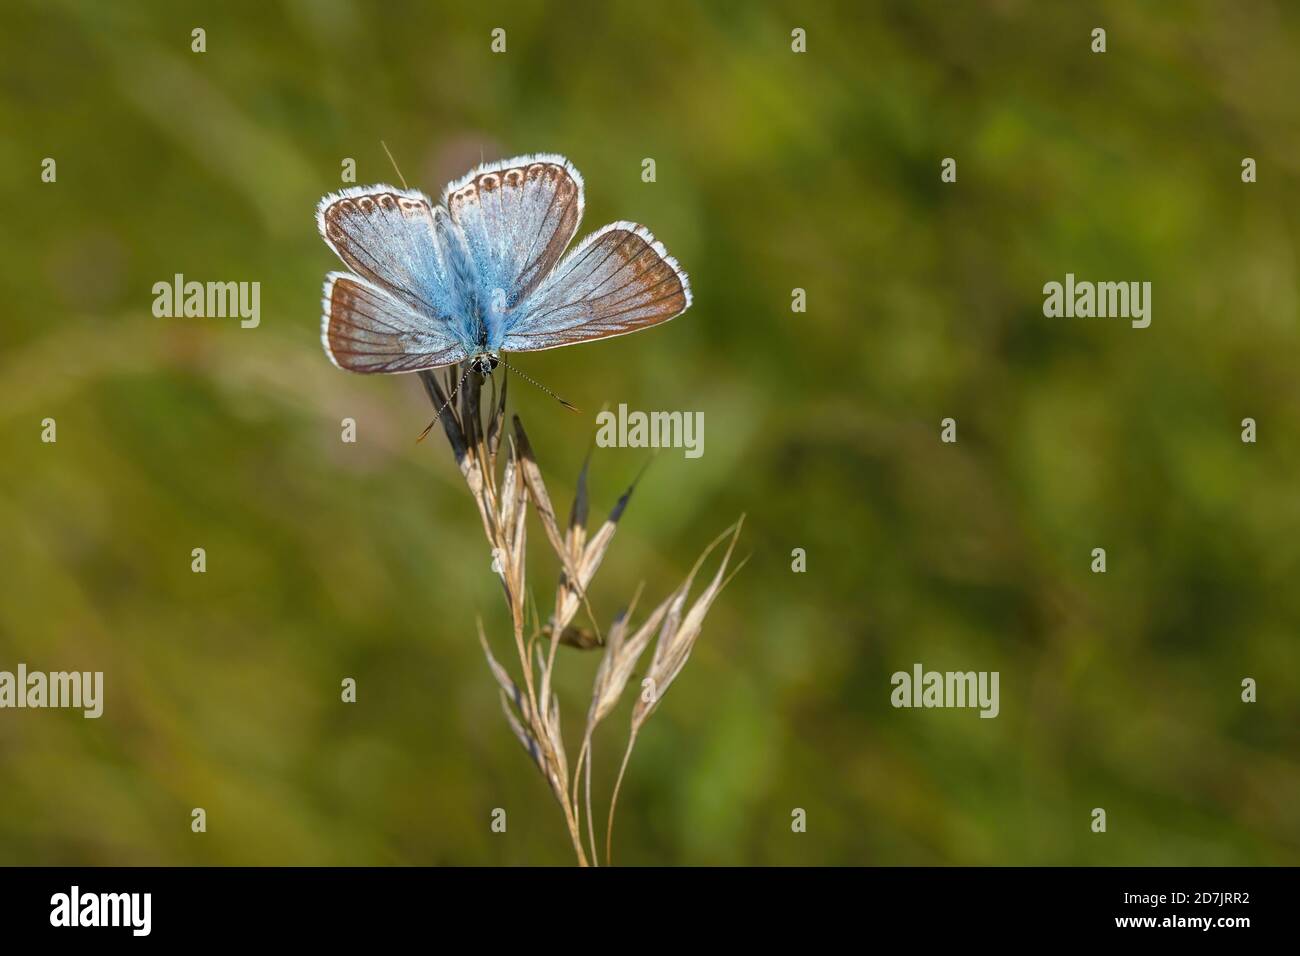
(365, 329)
(617, 280)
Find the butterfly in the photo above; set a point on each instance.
(484, 271)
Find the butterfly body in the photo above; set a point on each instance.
(484, 271)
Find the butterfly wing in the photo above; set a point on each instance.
(618, 280)
(399, 312)
(517, 217)
(365, 329)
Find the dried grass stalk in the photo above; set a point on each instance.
(503, 493)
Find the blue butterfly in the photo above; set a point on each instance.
(481, 272)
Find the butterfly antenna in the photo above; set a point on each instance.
(438, 416)
(404, 186)
(515, 369)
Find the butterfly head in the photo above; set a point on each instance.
(484, 363)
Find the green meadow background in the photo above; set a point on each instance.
(775, 170)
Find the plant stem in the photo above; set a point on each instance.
(613, 803)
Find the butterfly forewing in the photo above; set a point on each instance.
(518, 216)
(617, 281)
(386, 236)
(367, 330)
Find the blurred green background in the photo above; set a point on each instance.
(774, 171)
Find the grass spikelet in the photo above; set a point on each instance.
(503, 494)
